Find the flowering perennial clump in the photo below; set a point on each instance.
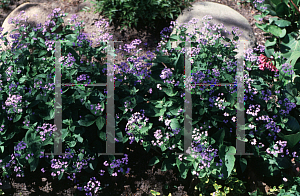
(215, 113)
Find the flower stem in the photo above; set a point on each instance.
(295, 6)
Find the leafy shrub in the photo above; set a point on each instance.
(283, 29)
(131, 13)
(156, 121)
(4, 3)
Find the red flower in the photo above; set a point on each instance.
(264, 64)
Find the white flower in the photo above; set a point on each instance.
(233, 119)
(158, 86)
(251, 126)
(167, 122)
(160, 118)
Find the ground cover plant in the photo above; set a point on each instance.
(27, 112)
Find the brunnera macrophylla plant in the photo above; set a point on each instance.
(157, 121)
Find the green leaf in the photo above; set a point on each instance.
(283, 162)
(243, 164)
(17, 118)
(42, 53)
(263, 27)
(258, 17)
(72, 144)
(293, 124)
(270, 10)
(183, 170)
(64, 133)
(93, 164)
(169, 92)
(277, 31)
(282, 9)
(60, 175)
(174, 37)
(228, 77)
(51, 116)
(289, 44)
(87, 121)
(294, 58)
(102, 136)
(174, 124)
(47, 143)
(291, 89)
(100, 122)
(276, 2)
(22, 79)
(227, 155)
(34, 164)
(179, 64)
(154, 161)
(271, 20)
(282, 23)
(17, 53)
(168, 45)
(219, 137)
(291, 139)
(147, 145)
(269, 52)
(270, 42)
(2, 148)
(78, 137)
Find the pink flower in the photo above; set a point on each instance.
(264, 64)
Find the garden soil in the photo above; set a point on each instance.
(142, 178)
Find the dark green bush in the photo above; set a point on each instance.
(132, 13)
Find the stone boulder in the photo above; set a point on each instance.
(220, 14)
(36, 13)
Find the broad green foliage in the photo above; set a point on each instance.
(130, 13)
(284, 29)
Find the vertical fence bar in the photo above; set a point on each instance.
(57, 103)
(240, 145)
(187, 101)
(110, 109)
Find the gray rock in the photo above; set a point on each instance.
(220, 14)
(36, 13)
